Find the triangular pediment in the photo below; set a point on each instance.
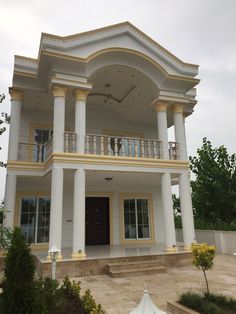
(120, 36)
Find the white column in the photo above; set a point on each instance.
(55, 235)
(186, 210)
(162, 129)
(167, 205)
(9, 204)
(180, 136)
(16, 99)
(79, 215)
(80, 118)
(59, 94)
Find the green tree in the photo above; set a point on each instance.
(203, 256)
(5, 119)
(214, 189)
(18, 284)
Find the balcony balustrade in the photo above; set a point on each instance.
(97, 144)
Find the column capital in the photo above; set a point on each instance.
(178, 108)
(59, 91)
(160, 106)
(81, 94)
(16, 94)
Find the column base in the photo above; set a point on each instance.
(187, 248)
(59, 257)
(171, 249)
(78, 255)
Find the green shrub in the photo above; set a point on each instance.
(5, 239)
(18, 284)
(208, 303)
(192, 300)
(89, 304)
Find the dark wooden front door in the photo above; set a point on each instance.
(97, 220)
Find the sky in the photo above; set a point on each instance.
(202, 32)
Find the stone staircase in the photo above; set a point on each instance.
(134, 268)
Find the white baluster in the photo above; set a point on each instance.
(73, 142)
(66, 143)
(116, 146)
(95, 144)
(102, 145)
(129, 147)
(149, 149)
(136, 148)
(142, 149)
(87, 144)
(122, 147)
(154, 143)
(109, 146)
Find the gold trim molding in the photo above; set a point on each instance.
(81, 94)
(160, 106)
(16, 94)
(59, 91)
(179, 108)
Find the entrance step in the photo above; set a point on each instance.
(134, 268)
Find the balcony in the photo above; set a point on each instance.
(97, 144)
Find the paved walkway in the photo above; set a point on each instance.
(121, 295)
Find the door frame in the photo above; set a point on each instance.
(110, 196)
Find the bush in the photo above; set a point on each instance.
(18, 283)
(5, 239)
(208, 303)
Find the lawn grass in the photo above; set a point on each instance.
(208, 303)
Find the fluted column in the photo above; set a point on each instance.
(186, 210)
(162, 130)
(59, 94)
(78, 250)
(80, 118)
(9, 203)
(180, 137)
(16, 100)
(55, 235)
(168, 212)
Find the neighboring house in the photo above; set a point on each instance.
(89, 159)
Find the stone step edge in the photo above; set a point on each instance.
(123, 271)
(134, 263)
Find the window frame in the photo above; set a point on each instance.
(37, 196)
(136, 196)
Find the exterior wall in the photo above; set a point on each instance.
(224, 241)
(30, 118)
(43, 185)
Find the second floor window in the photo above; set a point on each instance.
(41, 137)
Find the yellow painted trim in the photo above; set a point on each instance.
(74, 158)
(31, 75)
(118, 49)
(39, 246)
(148, 196)
(110, 195)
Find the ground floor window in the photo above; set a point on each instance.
(136, 218)
(35, 218)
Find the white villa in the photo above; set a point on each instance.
(89, 159)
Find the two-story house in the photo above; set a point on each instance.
(89, 159)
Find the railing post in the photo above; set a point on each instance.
(73, 142)
(123, 147)
(109, 146)
(142, 149)
(116, 146)
(102, 145)
(94, 144)
(149, 149)
(87, 144)
(129, 148)
(66, 143)
(154, 143)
